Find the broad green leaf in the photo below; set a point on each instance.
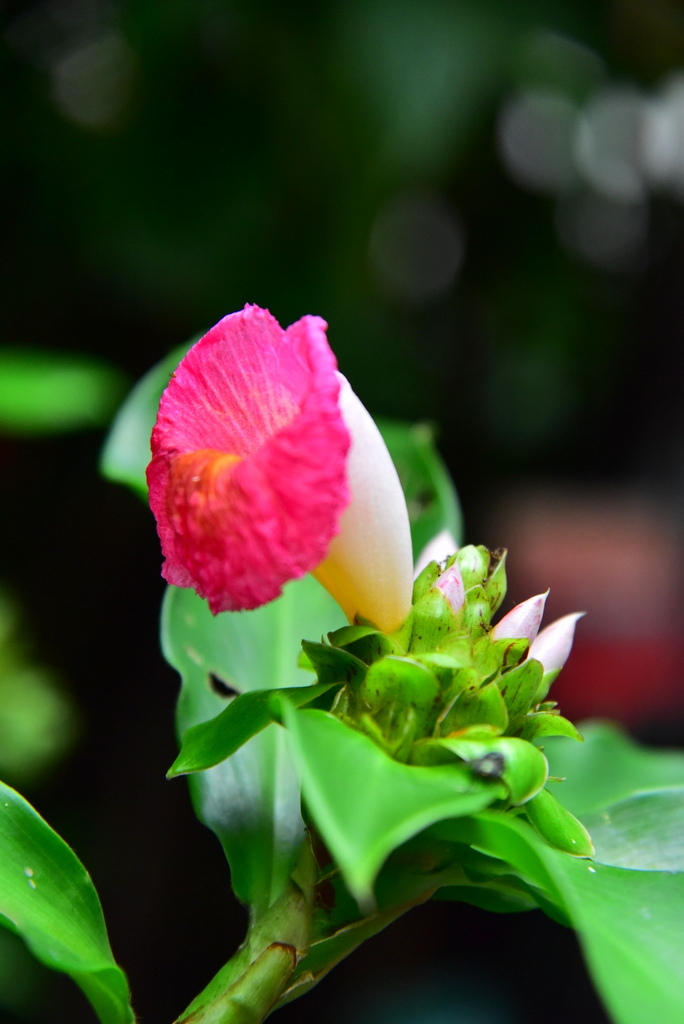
(209, 743)
(629, 922)
(430, 495)
(126, 452)
(644, 832)
(44, 392)
(251, 800)
(364, 803)
(47, 897)
(608, 767)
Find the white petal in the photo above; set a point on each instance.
(522, 621)
(369, 567)
(554, 643)
(436, 550)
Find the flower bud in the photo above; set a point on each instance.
(450, 583)
(554, 643)
(522, 621)
(474, 565)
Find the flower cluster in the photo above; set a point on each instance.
(447, 673)
(266, 466)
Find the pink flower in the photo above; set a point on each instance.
(522, 621)
(252, 471)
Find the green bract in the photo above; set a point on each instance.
(432, 722)
(442, 691)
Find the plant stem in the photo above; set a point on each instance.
(246, 988)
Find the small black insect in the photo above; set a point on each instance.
(490, 766)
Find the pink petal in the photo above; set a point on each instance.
(451, 585)
(522, 621)
(248, 475)
(554, 643)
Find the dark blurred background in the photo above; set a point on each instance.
(486, 202)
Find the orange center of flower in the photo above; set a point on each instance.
(198, 481)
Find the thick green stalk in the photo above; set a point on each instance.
(246, 988)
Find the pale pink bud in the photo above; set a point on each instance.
(554, 643)
(451, 585)
(439, 548)
(522, 621)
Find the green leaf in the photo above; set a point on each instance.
(47, 897)
(629, 922)
(45, 392)
(644, 832)
(126, 451)
(608, 767)
(630, 925)
(211, 742)
(251, 800)
(430, 495)
(364, 803)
